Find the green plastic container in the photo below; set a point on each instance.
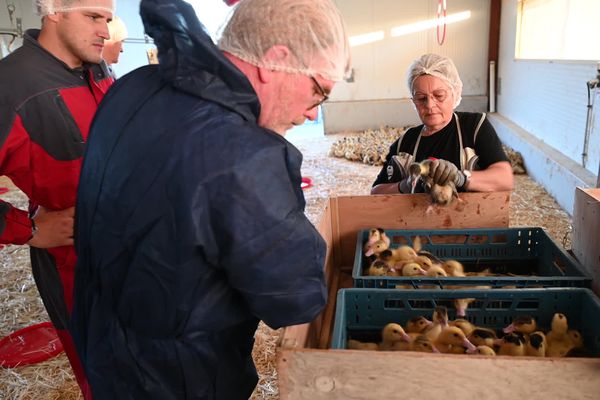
(528, 252)
(362, 313)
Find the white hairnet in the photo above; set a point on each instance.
(117, 30)
(440, 67)
(45, 7)
(312, 30)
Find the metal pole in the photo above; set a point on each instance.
(492, 89)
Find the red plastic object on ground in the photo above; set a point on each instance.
(29, 345)
(306, 183)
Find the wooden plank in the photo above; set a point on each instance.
(307, 335)
(346, 374)
(586, 235)
(475, 210)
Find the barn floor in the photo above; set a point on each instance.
(20, 305)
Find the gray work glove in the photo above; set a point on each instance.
(443, 171)
(405, 185)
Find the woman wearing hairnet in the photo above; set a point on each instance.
(464, 146)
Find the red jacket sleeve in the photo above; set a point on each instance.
(15, 225)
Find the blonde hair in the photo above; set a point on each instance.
(117, 30)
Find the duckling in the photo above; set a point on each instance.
(524, 324)
(512, 344)
(402, 254)
(439, 322)
(424, 262)
(357, 345)
(453, 268)
(443, 195)
(558, 339)
(562, 340)
(559, 326)
(436, 271)
(417, 324)
(536, 345)
(422, 344)
(461, 306)
(417, 244)
(375, 248)
(575, 338)
(485, 272)
(483, 337)
(392, 333)
(483, 350)
(420, 171)
(376, 234)
(453, 340)
(463, 324)
(412, 269)
(377, 268)
(430, 256)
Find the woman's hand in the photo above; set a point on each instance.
(443, 171)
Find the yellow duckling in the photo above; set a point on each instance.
(461, 306)
(358, 345)
(391, 334)
(453, 340)
(402, 254)
(418, 324)
(483, 350)
(464, 325)
(412, 269)
(422, 344)
(561, 340)
(439, 322)
(454, 268)
(376, 248)
(436, 271)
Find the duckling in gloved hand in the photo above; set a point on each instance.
(446, 179)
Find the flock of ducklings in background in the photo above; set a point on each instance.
(413, 261)
(521, 338)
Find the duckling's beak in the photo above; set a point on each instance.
(470, 346)
(509, 329)
(406, 337)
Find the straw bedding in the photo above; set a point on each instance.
(20, 305)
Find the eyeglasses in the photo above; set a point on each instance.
(319, 89)
(438, 96)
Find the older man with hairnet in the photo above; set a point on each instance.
(190, 214)
(113, 47)
(50, 89)
(464, 146)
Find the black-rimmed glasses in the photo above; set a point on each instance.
(320, 91)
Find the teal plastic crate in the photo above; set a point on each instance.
(362, 313)
(520, 251)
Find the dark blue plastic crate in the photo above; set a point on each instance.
(362, 313)
(522, 251)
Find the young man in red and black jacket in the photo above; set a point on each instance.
(50, 89)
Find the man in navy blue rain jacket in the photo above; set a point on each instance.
(190, 224)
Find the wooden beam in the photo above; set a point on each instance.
(348, 374)
(586, 235)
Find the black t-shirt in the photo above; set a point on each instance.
(444, 144)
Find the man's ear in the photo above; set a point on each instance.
(276, 55)
(52, 17)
